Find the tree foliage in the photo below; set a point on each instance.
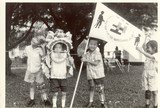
(139, 14)
(22, 20)
(73, 17)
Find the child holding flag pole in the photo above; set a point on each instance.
(94, 62)
(80, 70)
(95, 72)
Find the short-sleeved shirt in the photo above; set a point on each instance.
(95, 72)
(34, 58)
(58, 70)
(151, 64)
(150, 74)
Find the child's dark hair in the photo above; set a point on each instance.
(153, 44)
(94, 40)
(64, 47)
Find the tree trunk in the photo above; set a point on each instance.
(9, 8)
(8, 64)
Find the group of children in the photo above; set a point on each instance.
(56, 64)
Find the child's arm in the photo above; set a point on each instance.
(95, 62)
(145, 53)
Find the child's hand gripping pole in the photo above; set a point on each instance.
(80, 70)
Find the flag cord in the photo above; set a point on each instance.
(78, 77)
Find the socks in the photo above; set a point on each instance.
(54, 100)
(32, 93)
(91, 96)
(101, 94)
(102, 98)
(63, 99)
(44, 96)
(147, 101)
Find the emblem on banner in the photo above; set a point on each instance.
(118, 29)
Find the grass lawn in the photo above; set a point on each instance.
(121, 88)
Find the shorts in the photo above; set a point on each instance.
(58, 84)
(93, 82)
(150, 81)
(34, 77)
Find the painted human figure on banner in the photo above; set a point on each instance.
(137, 40)
(100, 20)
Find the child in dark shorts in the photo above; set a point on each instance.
(58, 73)
(95, 73)
(59, 64)
(57, 84)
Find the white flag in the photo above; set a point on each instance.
(109, 26)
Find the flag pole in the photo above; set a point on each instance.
(79, 74)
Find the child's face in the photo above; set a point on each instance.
(58, 48)
(34, 42)
(93, 45)
(150, 50)
(59, 31)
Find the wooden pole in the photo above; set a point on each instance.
(79, 74)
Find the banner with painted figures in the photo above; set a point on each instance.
(111, 27)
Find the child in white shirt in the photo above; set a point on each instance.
(58, 72)
(150, 73)
(34, 72)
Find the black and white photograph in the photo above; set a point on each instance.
(81, 54)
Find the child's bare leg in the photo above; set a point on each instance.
(91, 94)
(101, 93)
(43, 90)
(54, 99)
(155, 101)
(91, 90)
(63, 99)
(32, 91)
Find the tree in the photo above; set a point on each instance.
(139, 14)
(19, 16)
(73, 17)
